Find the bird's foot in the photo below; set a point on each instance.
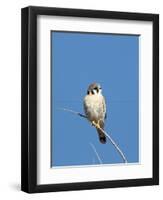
(95, 124)
(98, 125)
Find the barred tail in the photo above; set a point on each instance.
(102, 136)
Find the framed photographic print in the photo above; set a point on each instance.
(90, 99)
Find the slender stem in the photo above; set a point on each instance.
(113, 142)
(94, 149)
(107, 135)
(74, 112)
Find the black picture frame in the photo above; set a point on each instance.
(29, 98)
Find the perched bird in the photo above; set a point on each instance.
(95, 108)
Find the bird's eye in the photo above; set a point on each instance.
(96, 88)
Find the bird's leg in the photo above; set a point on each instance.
(97, 125)
(93, 123)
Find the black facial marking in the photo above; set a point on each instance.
(96, 88)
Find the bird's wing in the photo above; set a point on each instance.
(85, 106)
(104, 107)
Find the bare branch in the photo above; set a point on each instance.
(113, 142)
(94, 149)
(74, 112)
(107, 135)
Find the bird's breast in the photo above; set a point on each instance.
(94, 107)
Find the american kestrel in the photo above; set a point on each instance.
(95, 108)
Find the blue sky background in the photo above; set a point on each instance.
(79, 59)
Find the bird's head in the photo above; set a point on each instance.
(94, 88)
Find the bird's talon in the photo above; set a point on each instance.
(93, 123)
(98, 126)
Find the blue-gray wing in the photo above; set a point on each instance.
(85, 107)
(104, 108)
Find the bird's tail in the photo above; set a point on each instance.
(101, 135)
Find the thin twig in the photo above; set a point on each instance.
(74, 112)
(108, 136)
(113, 142)
(94, 149)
